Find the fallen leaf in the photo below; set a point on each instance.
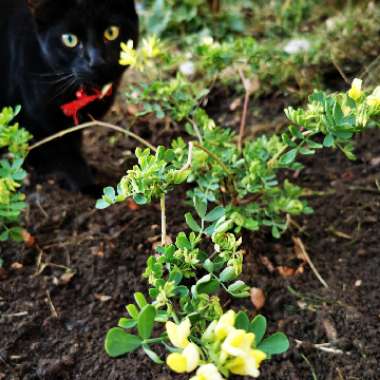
(133, 109)
(29, 240)
(66, 278)
(3, 274)
(257, 298)
(132, 205)
(286, 272)
(235, 104)
(330, 330)
(17, 266)
(98, 251)
(102, 297)
(375, 161)
(267, 263)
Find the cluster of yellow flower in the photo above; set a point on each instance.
(231, 350)
(356, 93)
(151, 47)
(7, 186)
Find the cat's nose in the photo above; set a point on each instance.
(95, 59)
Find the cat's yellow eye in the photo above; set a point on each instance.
(70, 40)
(112, 33)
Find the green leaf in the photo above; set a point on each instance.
(207, 285)
(176, 276)
(192, 223)
(140, 199)
(328, 141)
(119, 343)
(181, 291)
(140, 300)
(177, 177)
(133, 311)
(228, 274)
(145, 321)
(277, 343)
(215, 214)
(182, 242)
(238, 289)
(101, 204)
(152, 355)
(109, 192)
(208, 265)
(242, 321)
(289, 157)
(258, 327)
(126, 323)
(223, 226)
(201, 206)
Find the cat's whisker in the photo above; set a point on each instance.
(65, 87)
(54, 74)
(56, 80)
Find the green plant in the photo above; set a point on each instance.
(14, 144)
(186, 285)
(236, 184)
(215, 17)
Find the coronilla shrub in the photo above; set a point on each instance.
(237, 184)
(14, 147)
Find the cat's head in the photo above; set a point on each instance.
(82, 37)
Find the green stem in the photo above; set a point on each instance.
(274, 159)
(163, 220)
(214, 157)
(154, 340)
(91, 124)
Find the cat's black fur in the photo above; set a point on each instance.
(34, 65)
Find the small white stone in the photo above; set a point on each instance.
(187, 68)
(358, 283)
(207, 40)
(297, 46)
(331, 23)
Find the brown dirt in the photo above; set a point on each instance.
(53, 327)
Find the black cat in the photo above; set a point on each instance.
(50, 50)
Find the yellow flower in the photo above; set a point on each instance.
(374, 98)
(238, 343)
(187, 361)
(247, 365)
(151, 47)
(225, 324)
(179, 334)
(355, 91)
(207, 372)
(128, 55)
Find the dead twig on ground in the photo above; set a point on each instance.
(299, 244)
(51, 305)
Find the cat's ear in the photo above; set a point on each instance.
(129, 6)
(41, 10)
(34, 5)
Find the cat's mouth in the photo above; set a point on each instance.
(96, 80)
(83, 99)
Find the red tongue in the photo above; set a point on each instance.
(72, 108)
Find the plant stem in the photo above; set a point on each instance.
(196, 130)
(189, 158)
(91, 124)
(153, 340)
(274, 159)
(214, 157)
(245, 111)
(163, 220)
